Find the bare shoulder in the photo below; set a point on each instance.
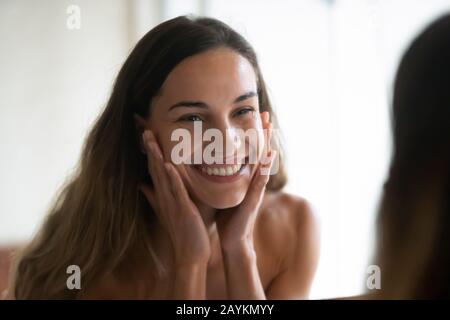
(287, 228)
(291, 214)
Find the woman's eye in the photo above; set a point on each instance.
(191, 118)
(244, 111)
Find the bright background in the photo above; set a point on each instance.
(329, 66)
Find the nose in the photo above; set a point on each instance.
(232, 143)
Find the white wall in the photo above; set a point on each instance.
(53, 82)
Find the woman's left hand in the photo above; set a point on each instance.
(235, 225)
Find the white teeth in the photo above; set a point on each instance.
(223, 171)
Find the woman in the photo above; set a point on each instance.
(414, 220)
(141, 227)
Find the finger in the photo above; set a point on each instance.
(267, 131)
(154, 161)
(258, 184)
(269, 138)
(267, 150)
(266, 165)
(152, 165)
(153, 151)
(265, 118)
(178, 187)
(156, 166)
(150, 139)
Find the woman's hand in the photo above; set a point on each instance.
(175, 210)
(235, 225)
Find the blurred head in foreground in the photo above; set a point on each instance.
(414, 218)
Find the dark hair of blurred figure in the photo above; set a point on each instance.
(414, 220)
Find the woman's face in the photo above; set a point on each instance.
(214, 89)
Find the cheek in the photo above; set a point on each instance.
(251, 120)
(253, 125)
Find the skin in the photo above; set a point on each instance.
(218, 240)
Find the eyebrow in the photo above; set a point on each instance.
(200, 104)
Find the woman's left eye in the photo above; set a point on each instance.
(191, 118)
(244, 111)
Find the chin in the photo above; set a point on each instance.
(224, 203)
(218, 186)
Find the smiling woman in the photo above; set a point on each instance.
(140, 226)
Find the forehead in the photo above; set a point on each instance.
(217, 74)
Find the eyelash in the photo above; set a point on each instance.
(247, 110)
(240, 112)
(187, 118)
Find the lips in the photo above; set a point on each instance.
(227, 170)
(222, 172)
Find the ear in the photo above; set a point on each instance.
(140, 125)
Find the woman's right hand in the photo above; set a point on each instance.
(174, 208)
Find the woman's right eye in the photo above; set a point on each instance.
(191, 118)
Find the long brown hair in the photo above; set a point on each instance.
(414, 219)
(99, 217)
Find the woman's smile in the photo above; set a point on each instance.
(223, 173)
